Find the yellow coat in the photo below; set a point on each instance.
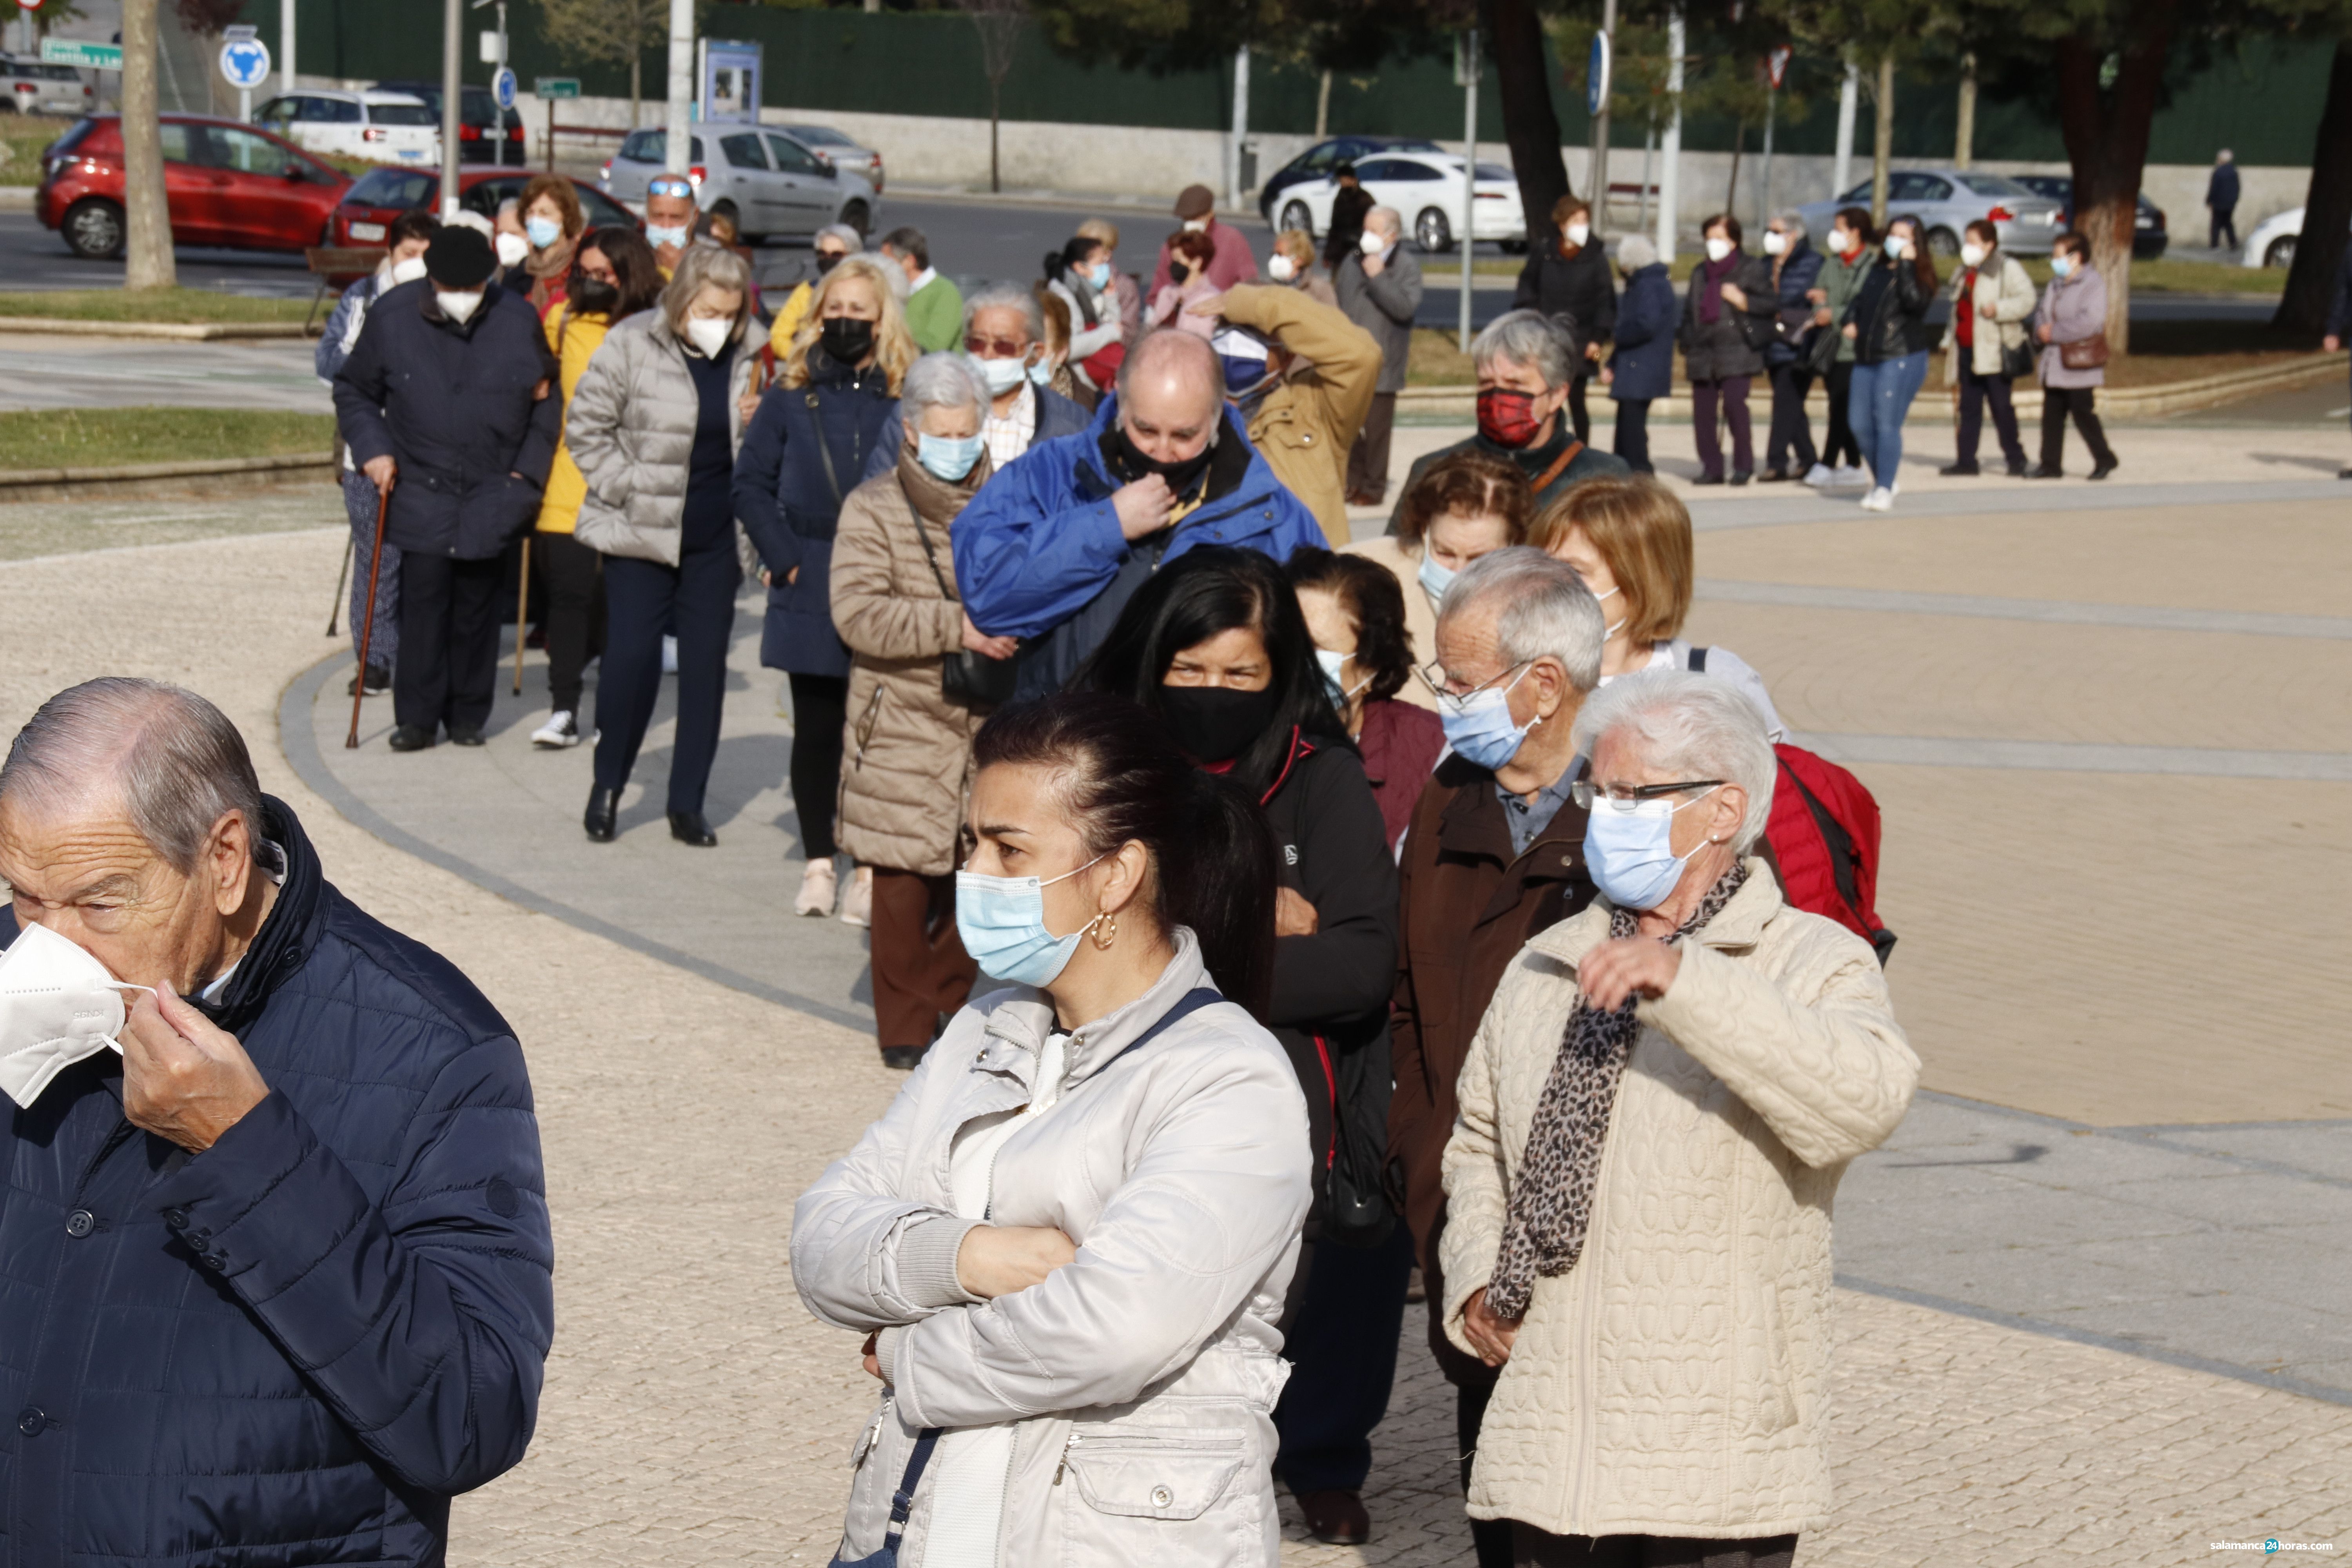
(566, 488)
(1304, 427)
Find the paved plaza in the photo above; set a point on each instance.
(2098, 1288)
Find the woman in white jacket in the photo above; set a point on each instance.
(1068, 1239)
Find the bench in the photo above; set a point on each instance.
(336, 266)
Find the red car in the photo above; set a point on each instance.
(226, 183)
(381, 194)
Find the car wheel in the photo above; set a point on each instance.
(1943, 242)
(1296, 215)
(93, 229)
(856, 215)
(1431, 231)
(2281, 252)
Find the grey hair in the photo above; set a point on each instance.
(842, 232)
(1546, 610)
(1635, 251)
(1007, 297)
(1395, 223)
(700, 266)
(1689, 725)
(1792, 221)
(1529, 338)
(175, 761)
(943, 381)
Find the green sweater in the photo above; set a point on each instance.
(1842, 280)
(935, 315)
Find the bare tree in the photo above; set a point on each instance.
(999, 23)
(148, 260)
(608, 32)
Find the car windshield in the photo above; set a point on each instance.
(820, 136)
(1494, 172)
(1995, 185)
(400, 114)
(392, 188)
(71, 139)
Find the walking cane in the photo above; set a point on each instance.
(343, 572)
(522, 612)
(367, 628)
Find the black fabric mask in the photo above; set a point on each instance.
(846, 339)
(1179, 273)
(1184, 477)
(826, 261)
(594, 296)
(1215, 723)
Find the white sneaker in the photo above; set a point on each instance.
(857, 904)
(1848, 477)
(1820, 474)
(817, 889)
(1879, 499)
(669, 655)
(561, 730)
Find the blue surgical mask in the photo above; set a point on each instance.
(2062, 266)
(1002, 920)
(1434, 579)
(544, 231)
(949, 458)
(660, 234)
(1334, 682)
(1099, 275)
(1478, 727)
(1630, 853)
(1894, 244)
(1041, 373)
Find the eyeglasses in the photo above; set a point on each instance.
(1625, 797)
(1000, 348)
(1441, 685)
(668, 185)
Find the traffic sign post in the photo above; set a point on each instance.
(550, 88)
(503, 87)
(1596, 75)
(1776, 71)
(246, 63)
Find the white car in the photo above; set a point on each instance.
(380, 127)
(2272, 242)
(1426, 189)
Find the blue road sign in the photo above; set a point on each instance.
(502, 87)
(1596, 75)
(244, 62)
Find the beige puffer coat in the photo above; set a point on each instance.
(906, 762)
(631, 429)
(1673, 1382)
(2005, 287)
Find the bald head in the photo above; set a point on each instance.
(161, 756)
(1172, 392)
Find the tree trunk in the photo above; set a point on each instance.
(637, 88)
(2106, 142)
(1738, 145)
(1964, 136)
(147, 241)
(2327, 210)
(1529, 126)
(1882, 149)
(1323, 108)
(995, 181)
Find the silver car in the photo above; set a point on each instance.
(834, 148)
(37, 89)
(1945, 201)
(761, 177)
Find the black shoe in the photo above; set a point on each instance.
(379, 681)
(410, 738)
(691, 827)
(2105, 466)
(2344, 473)
(465, 735)
(1708, 480)
(2045, 471)
(1774, 476)
(1336, 1518)
(601, 817)
(2017, 469)
(1960, 470)
(902, 1058)
(1740, 476)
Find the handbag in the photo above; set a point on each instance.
(1819, 353)
(966, 676)
(2084, 353)
(902, 1506)
(2016, 359)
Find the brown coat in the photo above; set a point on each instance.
(1466, 907)
(1305, 425)
(906, 766)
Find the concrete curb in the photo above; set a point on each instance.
(17, 198)
(174, 479)
(178, 331)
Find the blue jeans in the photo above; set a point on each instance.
(1880, 397)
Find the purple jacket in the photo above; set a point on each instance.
(2073, 309)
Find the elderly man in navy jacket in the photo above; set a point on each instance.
(445, 403)
(277, 1277)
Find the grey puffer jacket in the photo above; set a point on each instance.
(631, 429)
(1143, 1377)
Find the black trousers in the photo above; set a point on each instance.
(1533, 1548)
(1342, 1346)
(819, 709)
(2224, 222)
(2057, 401)
(1840, 445)
(1976, 391)
(1732, 393)
(642, 599)
(574, 617)
(1578, 416)
(1633, 433)
(448, 641)
(1791, 432)
(1367, 459)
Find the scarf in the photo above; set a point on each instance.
(1711, 276)
(554, 261)
(1552, 1205)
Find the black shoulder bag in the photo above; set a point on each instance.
(966, 676)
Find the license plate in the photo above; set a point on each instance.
(368, 233)
(411, 152)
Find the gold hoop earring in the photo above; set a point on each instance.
(1106, 932)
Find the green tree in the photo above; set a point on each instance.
(607, 32)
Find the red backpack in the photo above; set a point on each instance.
(1824, 832)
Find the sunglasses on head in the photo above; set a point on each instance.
(668, 185)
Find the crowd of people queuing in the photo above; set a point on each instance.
(1275, 928)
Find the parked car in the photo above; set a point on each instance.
(2272, 242)
(224, 184)
(1426, 189)
(1316, 164)
(380, 195)
(1945, 201)
(2149, 236)
(491, 135)
(36, 88)
(760, 176)
(380, 127)
(834, 148)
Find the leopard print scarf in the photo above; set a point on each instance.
(1552, 1205)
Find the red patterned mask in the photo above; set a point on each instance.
(1508, 417)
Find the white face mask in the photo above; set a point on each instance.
(1972, 254)
(408, 270)
(1373, 242)
(1775, 242)
(511, 248)
(460, 308)
(708, 334)
(1280, 267)
(57, 1006)
(1002, 374)
(1578, 233)
(1717, 248)
(1196, 225)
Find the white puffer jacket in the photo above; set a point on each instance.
(1672, 1382)
(1140, 1380)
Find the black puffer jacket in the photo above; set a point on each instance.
(1577, 291)
(1731, 344)
(1890, 313)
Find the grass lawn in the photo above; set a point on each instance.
(112, 438)
(172, 305)
(22, 137)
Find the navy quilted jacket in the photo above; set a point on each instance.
(294, 1347)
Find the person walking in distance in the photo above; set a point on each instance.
(1566, 277)
(934, 304)
(1351, 204)
(403, 262)
(1641, 368)
(2222, 198)
(1851, 252)
(448, 403)
(837, 384)
(2070, 325)
(1796, 265)
(1888, 328)
(1727, 318)
(1985, 347)
(1379, 286)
